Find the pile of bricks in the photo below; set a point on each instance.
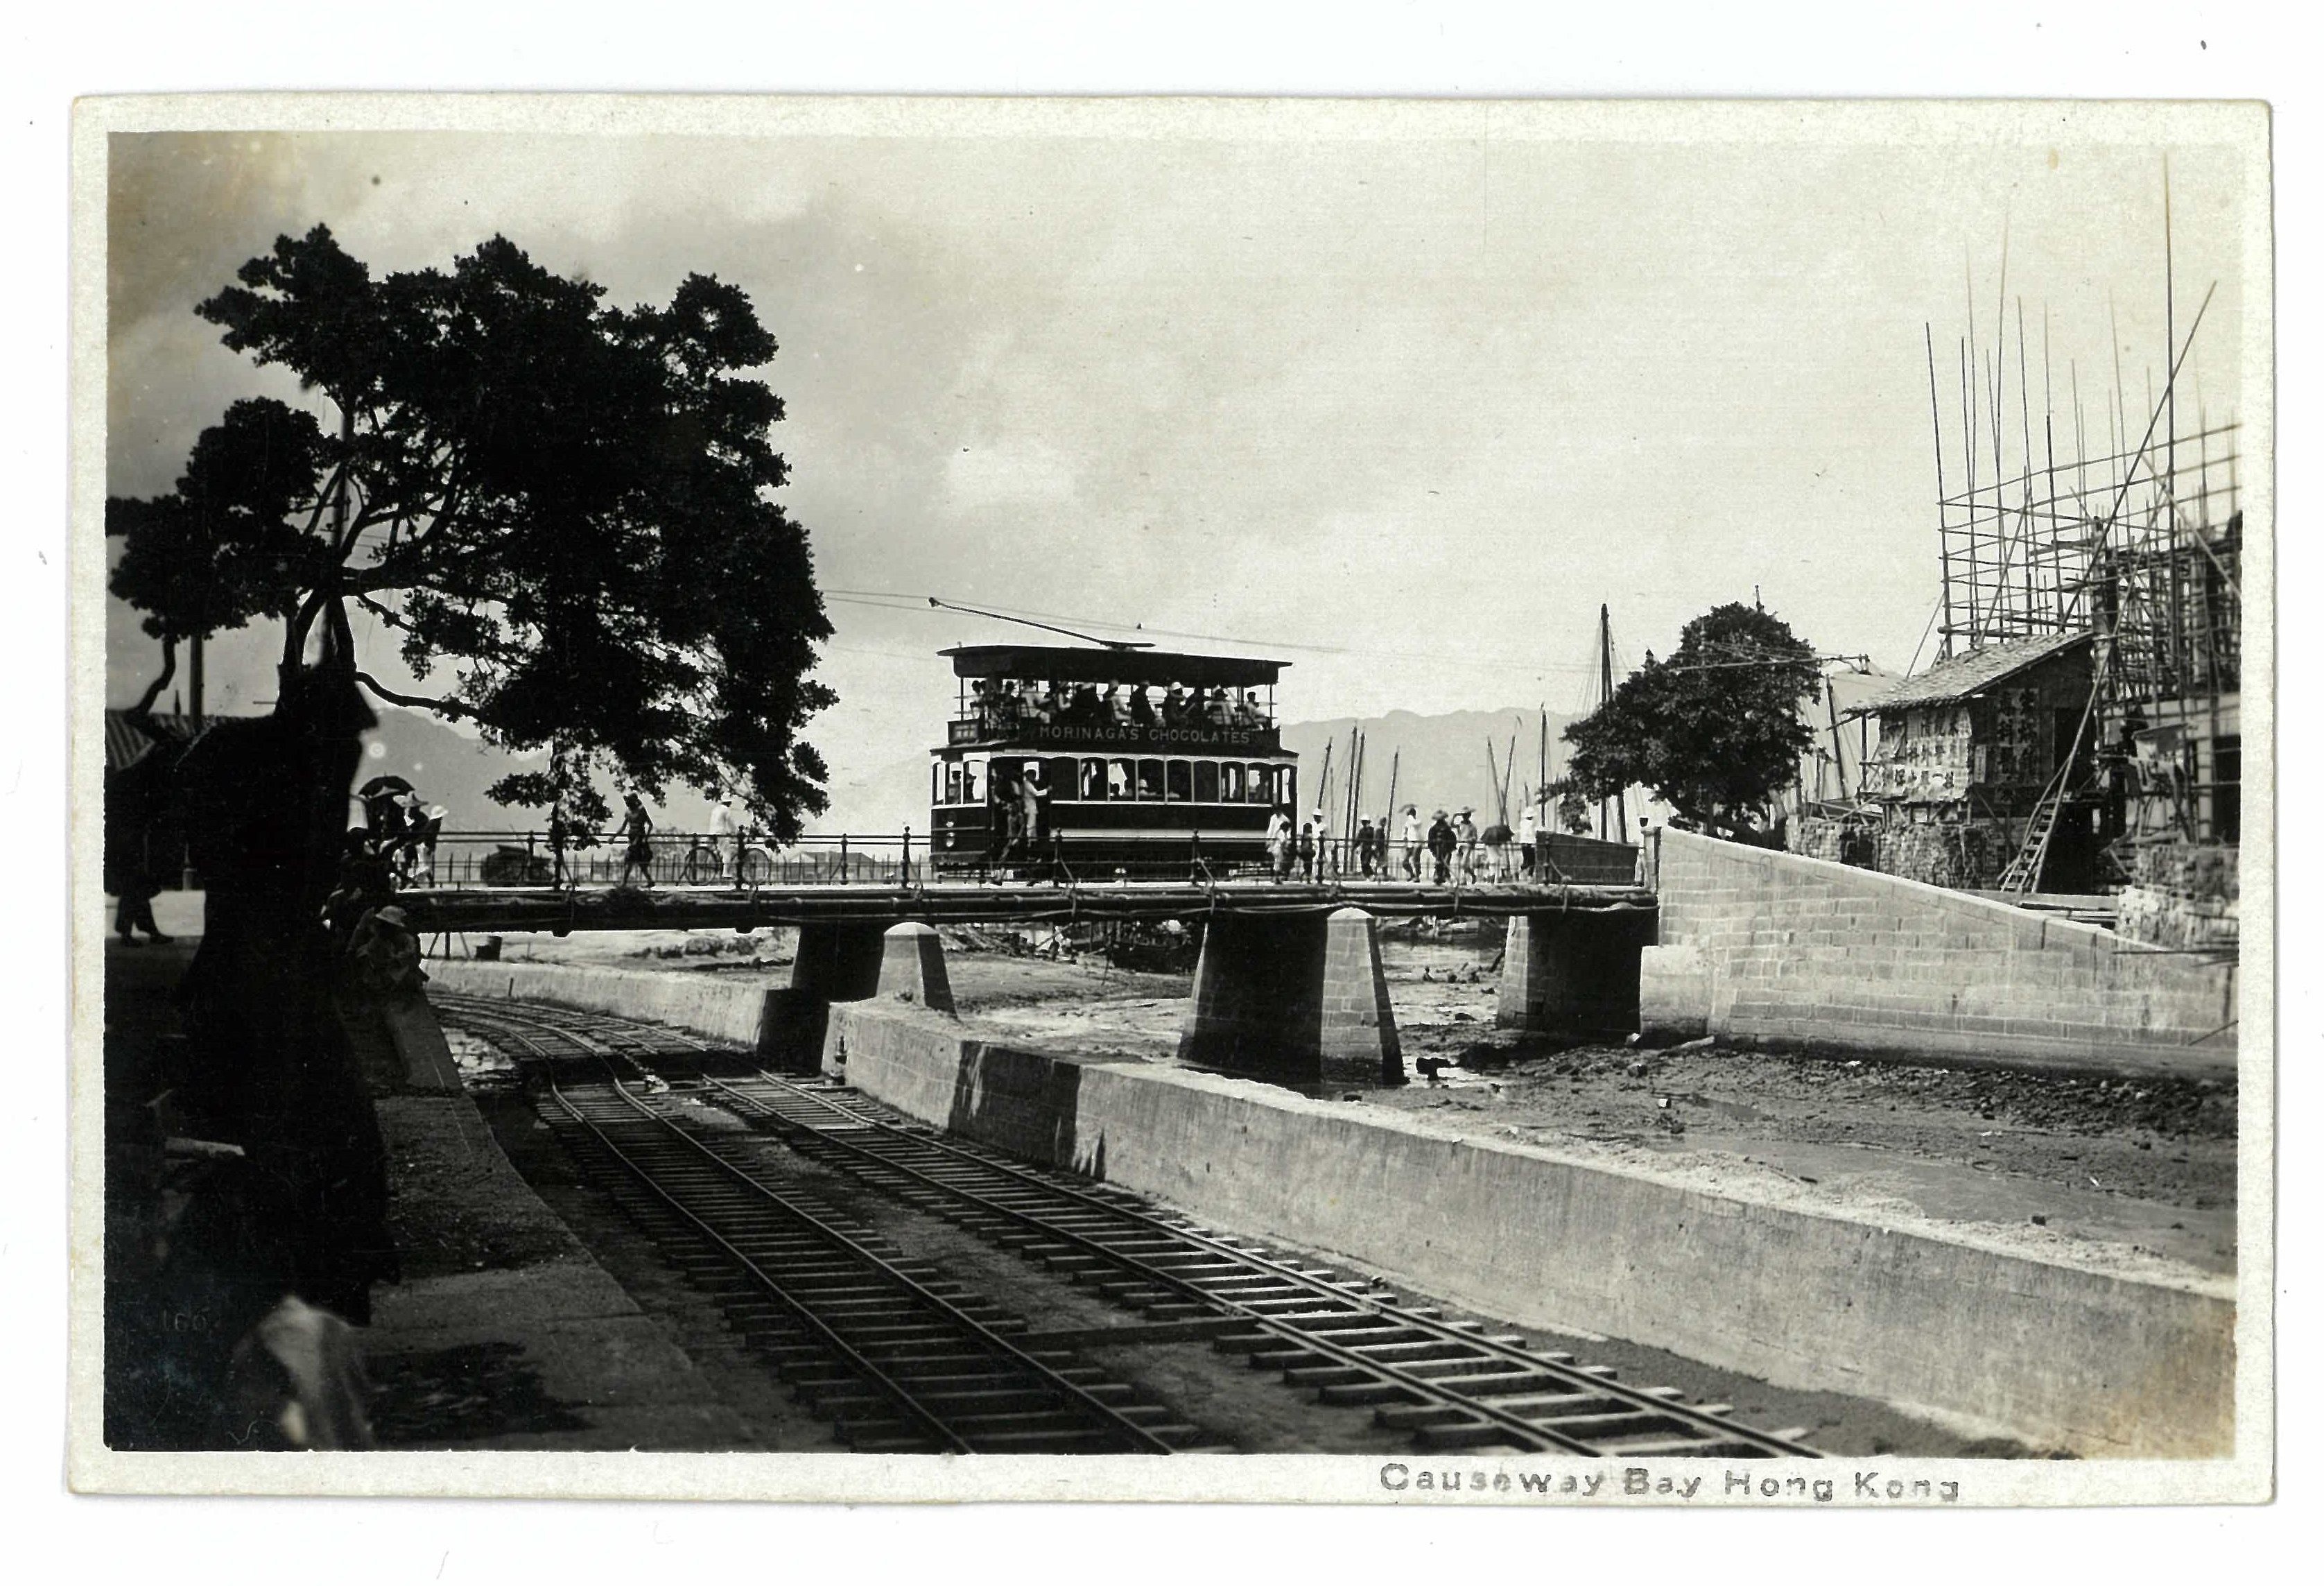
(2182, 895)
(1948, 854)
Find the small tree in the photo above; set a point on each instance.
(567, 506)
(1715, 731)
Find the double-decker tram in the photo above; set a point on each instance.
(1108, 762)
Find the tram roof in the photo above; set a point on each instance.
(1069, 663)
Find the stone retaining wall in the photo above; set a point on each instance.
(1761, 946)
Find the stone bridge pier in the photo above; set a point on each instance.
(1294, 999)
(835, 963)
(1574, 973)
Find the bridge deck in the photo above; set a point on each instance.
(625, 908)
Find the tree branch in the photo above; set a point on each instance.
(450, 707)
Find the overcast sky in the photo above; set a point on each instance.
(1401, 401)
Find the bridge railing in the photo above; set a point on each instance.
(471, 859)
(515, 858)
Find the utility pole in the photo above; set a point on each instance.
(1831, 713)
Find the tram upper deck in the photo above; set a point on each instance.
(1135, 756)
(1043, 697)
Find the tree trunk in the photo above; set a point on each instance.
(153, 689)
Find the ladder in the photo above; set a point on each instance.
(2025, 869)
(2023, 872)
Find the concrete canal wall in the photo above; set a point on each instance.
(2063, 1356)
(747, 1015)
(1778, 949)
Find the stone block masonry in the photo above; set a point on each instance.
(1257, 1003)
(1782, 950)
(912, 968)
(1573, 973)
(1295, 1000)
(1359, 1040)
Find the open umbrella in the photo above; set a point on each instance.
(379, 786)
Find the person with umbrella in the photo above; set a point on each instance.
(384, 810)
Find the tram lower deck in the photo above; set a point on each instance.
(1134, 814)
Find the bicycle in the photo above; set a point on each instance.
(705, 863)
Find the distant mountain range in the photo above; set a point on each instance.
(1437, 763)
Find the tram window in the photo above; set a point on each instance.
(1121, 783)
(972, 782)
(1231, 783)
(936, 781)
(1149, 781)
(1061, 778)
(1207, 781)
(1263, 784)
(1181, 782)
(1093, 781)
(952, 781)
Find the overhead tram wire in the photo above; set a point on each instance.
(895, 600)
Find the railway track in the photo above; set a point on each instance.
(1447, 1384)
(899, 1360)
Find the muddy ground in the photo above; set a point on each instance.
(2139, 1173)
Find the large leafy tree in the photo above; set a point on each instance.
(1715, 731)
(564, 510)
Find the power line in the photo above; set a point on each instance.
(890, 600)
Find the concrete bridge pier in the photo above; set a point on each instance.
(835, 963)
(1293, 999)
(1360, 1045)
(912, 968)
(1573, 973)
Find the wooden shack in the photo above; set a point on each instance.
(1965, 751)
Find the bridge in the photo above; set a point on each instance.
(1289, 985)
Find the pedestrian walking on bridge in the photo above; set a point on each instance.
(1440, 843)
(1412, 841)
(637, 831)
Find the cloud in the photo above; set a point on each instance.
(1422, 397)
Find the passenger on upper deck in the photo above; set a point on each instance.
(1216, 710)
(1117, 707)
(1173, 707)
(1142, 708)
(1246, 714)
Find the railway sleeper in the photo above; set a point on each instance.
(1434, 1348)
(1285, 1355)
(1403, 1417)
(1496, 1383)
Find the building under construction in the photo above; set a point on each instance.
(2081, 729)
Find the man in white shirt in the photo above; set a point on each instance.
(1412, 841)
(727, 832)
